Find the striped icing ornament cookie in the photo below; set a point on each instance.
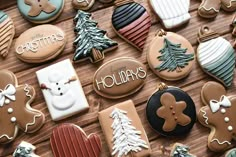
(216, 56)
(171, 13)
(131, 22)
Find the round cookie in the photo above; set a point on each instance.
(170, 56)
(170, 111)
(40, 11)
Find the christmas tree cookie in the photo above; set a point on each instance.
(216, 56)
(90, 42)
(170, 56)
(25, 149)
(123, 131)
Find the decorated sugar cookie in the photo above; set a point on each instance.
(62, 90)
(231, 153)
(25, 149)
(124, 133)
(90, 42)
(170, 56)
(83, 4)
(170, 111)
(180, 150)
(15, 109)
(171, 13)
(7, 32)
(40, 11)
(210, 8)
(131, 21)
(69, 140)
(218, 114)
(216, 56)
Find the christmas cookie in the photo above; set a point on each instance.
(131, 22)
(171, 13)
(83, 4)
(234, 29)
(62, 90)
(210, 8)
(15, 109)
(231, 153)
(40, 44)
(25, 149)
(119, 78)
(180, 150)
(90, 42)
(218, 114)
(170, 56)
(123, 131)
(170, 111)
(7, 32)
(69, 140)
(40, 11)
(216, 56)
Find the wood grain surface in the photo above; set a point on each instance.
(196, 139)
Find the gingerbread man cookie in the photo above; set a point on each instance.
(218, 115)
(210, 8)
(176, 116)
(15, 108)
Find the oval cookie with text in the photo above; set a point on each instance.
(119, 78)
(40, 44)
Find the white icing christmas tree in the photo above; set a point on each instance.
(126, 138)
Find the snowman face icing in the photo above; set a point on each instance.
(59, 88)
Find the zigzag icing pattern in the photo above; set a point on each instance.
(220, 142)
(4, 135)
(204, 116)
(26, 89)
(28, 124)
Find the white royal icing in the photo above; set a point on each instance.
(172, 12)
(126, 138)
(4, 135)
(7, 94)
(32, 123)
(26, 89)
(215, 105)
(215, 139)
(204, 115)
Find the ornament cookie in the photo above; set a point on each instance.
(231, 153)
(180, 150)
(40, 44)
(170, 111)
(83, 4)
(40, 11)
(123, 131)
(131, 21)
(15, 109)
(172, 13)
(216, 56)
(119, 77)
(7, 32)
(170, 56)
(69, 140)
(210, 8)
(90, 42)
(62, 90)
(25, 149)
(218, 114)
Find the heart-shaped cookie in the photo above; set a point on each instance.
(69, 140)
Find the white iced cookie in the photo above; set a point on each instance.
(172, 13)
(62, 90)
(25, 149)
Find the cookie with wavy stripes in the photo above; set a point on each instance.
(131, 21)
(69, 140)
(216, 56)
(7, 32)
(172, 13)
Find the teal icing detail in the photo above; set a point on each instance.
(3, 16)
(231, 153)
(224, 68)
(24, 9)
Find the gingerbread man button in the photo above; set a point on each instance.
(15, 108)
(218, 115)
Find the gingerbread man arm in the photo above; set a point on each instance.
(203, 116)
(209, 8)
(49, 8)
(8, 132)
(182, 119)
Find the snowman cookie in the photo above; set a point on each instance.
(218, 114)
(15, 101)
(62, 90)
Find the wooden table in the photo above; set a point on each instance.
(197, 139)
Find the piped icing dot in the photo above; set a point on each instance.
(13, 119)
(226, 119)
(222, 110)
(10, 110)
(230, 128)
(7, 101)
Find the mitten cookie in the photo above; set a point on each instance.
(216, 56)
(171, 13)
(210, 8)
(15, 108)
(90, 42)
(131, 22)
(170, 111)
(7, 32)
(170, 56)
(40, 11)
(69, 140)
(218, 115)
(25, 149)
